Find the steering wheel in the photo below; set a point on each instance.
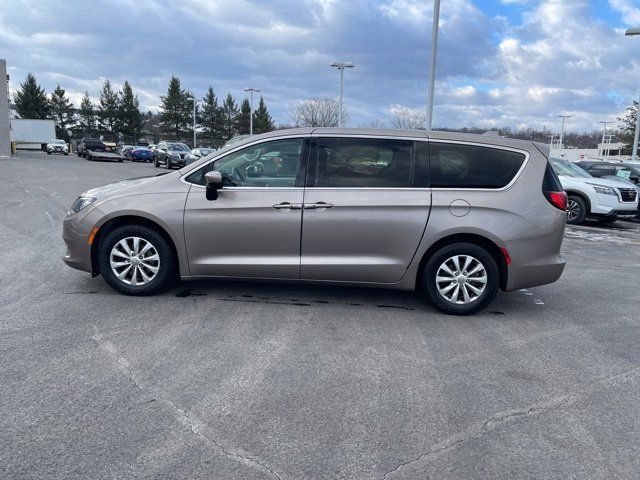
(254, 170)
(237, 175)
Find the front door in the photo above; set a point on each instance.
(365, 210)
(253, 228)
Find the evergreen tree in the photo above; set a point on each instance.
(176, 110)
(31, 100)
(210, 119)
(243, 116)
(108, 109)
(62, 112)
(129, 115)
(86, 116)
(262, 121)
(229, 114)
(628, 123)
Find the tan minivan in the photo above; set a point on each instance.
(458, 216)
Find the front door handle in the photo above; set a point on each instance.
(290, 206)
(313, 206)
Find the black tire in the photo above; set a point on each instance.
(66, 154)
(155, 162)
(577, 210)
(79, 154)
(465, 249)
(166, 273)
(48, 152)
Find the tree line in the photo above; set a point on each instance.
(117, 114)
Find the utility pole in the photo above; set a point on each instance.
(194, 122)
(604, 133)
(341, 66)
(432, 70)
(560, 145)
(551, 144)
(251, 90)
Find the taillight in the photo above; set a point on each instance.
(557, 199)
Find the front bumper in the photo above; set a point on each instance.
(75, 233)
(176, 162)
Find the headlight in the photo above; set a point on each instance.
(80, 203)
(604, 190)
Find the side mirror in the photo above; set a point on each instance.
(214, 183)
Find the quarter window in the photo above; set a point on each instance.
(363, 163)
(470, 166)
(268, 164)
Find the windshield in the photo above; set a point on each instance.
(177, 147)
(568, 169)
(59, 142)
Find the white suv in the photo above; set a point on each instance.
(600, 198)
(57, 146)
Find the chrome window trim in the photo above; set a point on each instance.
(233, 150)
(515, 178)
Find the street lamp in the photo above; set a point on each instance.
(194, 121)
(563, 117)
(432, 70)
(633, 31)
(251, 90)
(604, 133)
(341, 66)
(551, 144)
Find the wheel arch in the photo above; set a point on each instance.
(129, 219)
(582, 195)
(473, 238)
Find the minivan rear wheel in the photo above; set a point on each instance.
(576, 210)
(136, 260)
(461, 279)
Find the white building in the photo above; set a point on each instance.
(611, 151)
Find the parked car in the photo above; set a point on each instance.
(198, 153)
(90, 144)
(600, 198)
(142, 143)
(458, 216)
(626, 171)
(140, 154)
(124, 150)
(57, 146)
(170, 154)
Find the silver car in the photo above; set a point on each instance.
(457, 216)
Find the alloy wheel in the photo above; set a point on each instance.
(461, 279)
(573, 210)
(134, 261)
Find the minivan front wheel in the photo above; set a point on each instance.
(461, 279)
(136, 260)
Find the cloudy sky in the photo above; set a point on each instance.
(501, 63)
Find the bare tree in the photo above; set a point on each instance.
(407, 119)
(317, 112)
(375, 123)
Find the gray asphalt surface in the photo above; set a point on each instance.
(267, 381)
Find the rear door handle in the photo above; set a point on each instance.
(313, 206)
(285, 205)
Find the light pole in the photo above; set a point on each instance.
(563, 117)
(251, 90)
(194, 122)
(341, 66)
(432, 70)
(551, 147)
(604, 133)
(633, 31)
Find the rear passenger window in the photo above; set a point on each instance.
(470, 166)
(363, 163)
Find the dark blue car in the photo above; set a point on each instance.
(140, 154)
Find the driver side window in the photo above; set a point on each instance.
(268, 164)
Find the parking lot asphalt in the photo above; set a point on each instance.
(261, 381)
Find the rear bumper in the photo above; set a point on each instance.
(534, 275)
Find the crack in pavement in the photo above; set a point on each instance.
(195, 427)
(479, 430)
